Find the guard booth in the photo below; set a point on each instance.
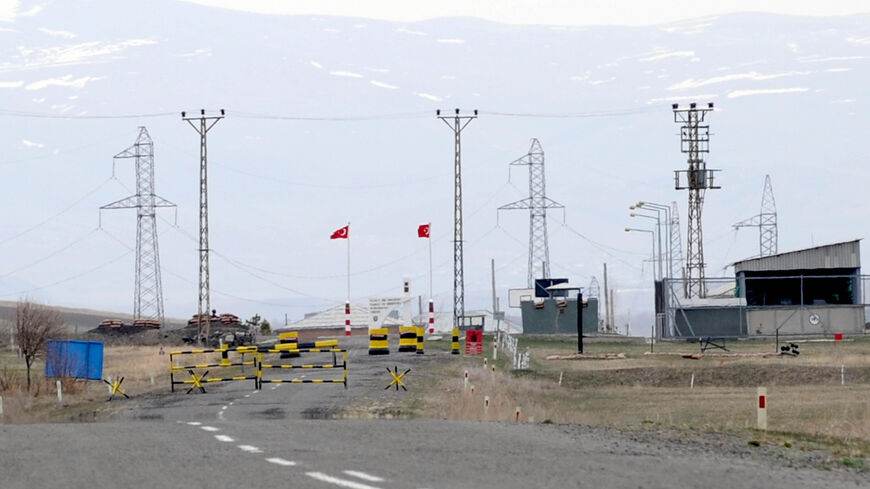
(473, 324)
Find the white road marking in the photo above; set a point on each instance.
(363, 476)
(232, 403)
(224, 438)
(223, 408)
(280, 461)
(221, 415)
(250, 449)
(339, 482)
(274, 387)
(247, 395)
(193, 423)
(210, 428)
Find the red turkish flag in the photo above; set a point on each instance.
(341, 233)
(423, 231)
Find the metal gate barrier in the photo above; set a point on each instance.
(261, 367)
(196, 381)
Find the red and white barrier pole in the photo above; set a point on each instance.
(347, 318)
(431, 316)
(762, 408)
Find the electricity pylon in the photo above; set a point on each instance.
(148, 296)
(765, 221)
(677, 270)
(537, 203)
(203, 125)
(694, 140)
(457, 123)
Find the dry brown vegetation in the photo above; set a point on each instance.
(805, 392)
(82, 400)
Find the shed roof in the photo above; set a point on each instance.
(846, 254)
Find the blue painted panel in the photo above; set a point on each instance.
(74, 358)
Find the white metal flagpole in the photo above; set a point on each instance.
(348, 261)
(429, 237)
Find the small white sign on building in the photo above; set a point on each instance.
(516, 296)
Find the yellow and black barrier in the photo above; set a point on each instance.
(379, 343)
(197, 380)
(454, 343)
(420, 332)
(265, 366)
(407, 338)
(290, 340)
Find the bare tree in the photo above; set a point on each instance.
(34, 324)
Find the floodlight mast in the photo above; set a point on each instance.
(694, 141)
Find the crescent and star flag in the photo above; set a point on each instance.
(341, 233)
(423, 231)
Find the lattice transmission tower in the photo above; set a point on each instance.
(694, 141)
(537, 203)
(202, 124)
(148, 296)
(765, 221)
(457, 123)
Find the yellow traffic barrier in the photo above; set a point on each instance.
(407, 338)
(420, 332)
(454, 344)
(197, 380)
(379, 343)
(261, 367)
(291, 339)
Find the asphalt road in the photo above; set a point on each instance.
(235, 437)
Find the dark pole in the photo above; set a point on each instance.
(580, 322)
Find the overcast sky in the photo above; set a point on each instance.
(558, 12)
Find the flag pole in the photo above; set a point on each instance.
(430, 259)
(348, 261)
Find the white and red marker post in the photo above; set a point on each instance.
(431, 316)
(762, 408)
(347, 318)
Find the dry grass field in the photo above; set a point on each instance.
(807, 396)
(143, 368)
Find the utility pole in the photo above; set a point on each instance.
(694, 141)
(148, 294)
(765, 221)
(595, 291)
(607, 318)
(677, 269)
(202, 124)
(537, 203)
(457, 123)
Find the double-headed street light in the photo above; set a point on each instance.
(667, 210)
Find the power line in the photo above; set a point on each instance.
(42, 115)
(382, 117)
(63, 211)
(52, 254)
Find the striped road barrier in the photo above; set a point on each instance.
(261, 366)
(454, 343)
(420, 332)
(197, 380)
(290, 338)
(379, 343)
(407, 338)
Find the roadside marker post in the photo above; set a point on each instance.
(762, 408)
(472, 389)
(517, 416)
(465, 381)
(59, 393)
(485, 406)
(485, 363)
(842, 375)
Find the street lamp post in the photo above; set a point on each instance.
(661, 207)
(652, 240)
(658, 234)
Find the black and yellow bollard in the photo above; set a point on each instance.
(378, 342)
(407, 338)
(420, 331)
(289, 341)
(454, 344)
(225, 359)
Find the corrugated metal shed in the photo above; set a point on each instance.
(838, 255)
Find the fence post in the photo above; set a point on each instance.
(59, 392)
